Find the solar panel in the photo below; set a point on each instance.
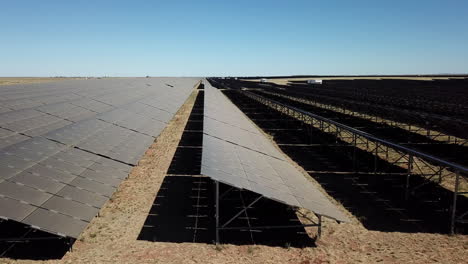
(100, 177)
(71, 208)
(236, 153)
(82, 196)
(41, 130)
(104, 165)
(76, 157)
(55, 223)
(62, 166)
(10, 164)
(66, 146)
(12, 139)
(14, 209)
(42, 183)
(5, 132)
(23, 193)
(49, 172)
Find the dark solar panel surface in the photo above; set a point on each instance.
(235, 152)
(66, 146)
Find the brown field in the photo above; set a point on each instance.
(112, 237)
(27, 80)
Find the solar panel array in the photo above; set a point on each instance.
(235, 152)
(66, 146)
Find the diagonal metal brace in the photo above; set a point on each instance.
(226, 193)
(242, 211)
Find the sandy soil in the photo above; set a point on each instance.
(26, 80)
(112, 237)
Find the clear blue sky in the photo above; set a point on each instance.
(206, 38)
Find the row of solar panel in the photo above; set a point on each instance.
(60, 161)
(70, 183)
(227, 120)
(236, 153)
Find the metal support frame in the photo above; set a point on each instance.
(224, 226)
(217, 211)
(437, 135)
(417, 163)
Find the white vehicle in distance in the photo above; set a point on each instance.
(314, 81)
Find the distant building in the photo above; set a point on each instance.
(263, 80)
(314, 81)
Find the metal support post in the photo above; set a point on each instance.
(376, 156)
(408, 175)
(454, 204)
(319, 231)
(354, 152)
(217, 211)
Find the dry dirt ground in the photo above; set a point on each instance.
(112, 237)
(26, 80)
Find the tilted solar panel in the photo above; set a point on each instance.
(66, 146)
(236, 153)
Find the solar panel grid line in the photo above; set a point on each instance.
(43, 205)
(43, 129)
(127, 127)
(35, 194)
(18, 115)
(243, 145)
(30, 123)
(253, 178)
(14, 210)
(13, 139)
(55, 223)
(207, 116)
(48, 204)
(87, 173)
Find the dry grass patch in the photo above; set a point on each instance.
(28, 80)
